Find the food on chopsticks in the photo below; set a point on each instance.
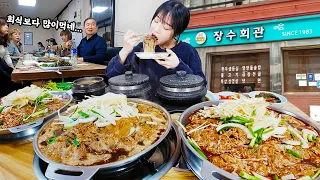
(249, 140)
(26, 105)
(101, 130)
(59, 63)
(149, 43)
(269, 97)
(229, 97)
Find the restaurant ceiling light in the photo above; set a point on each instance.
(27, 2)
(99, 9)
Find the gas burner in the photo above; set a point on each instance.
(164, 157)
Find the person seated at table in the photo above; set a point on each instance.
(6, 66)
(92, 48)
(41, 47)
(50, 43)
(64, 48)
(48, 46)
(4, 42)
(14, 37)
(168, 22)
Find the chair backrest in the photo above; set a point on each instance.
(110, 53)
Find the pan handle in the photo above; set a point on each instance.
(209, 172)
(69, 173)
(24, 127)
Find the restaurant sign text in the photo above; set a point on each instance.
(256, 32)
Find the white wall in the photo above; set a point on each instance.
(135, 15)
(39, 35)
(68, 15)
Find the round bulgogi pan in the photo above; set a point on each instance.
(17, 124)
(214, 150)
(87, 148)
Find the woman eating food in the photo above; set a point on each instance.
(168, 22)
(14, 36)
(64, 48)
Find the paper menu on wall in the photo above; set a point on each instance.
(298, 76)
(303, 83)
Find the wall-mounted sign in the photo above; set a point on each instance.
(310, 77)
(298, 76)
(201, 38)
(264, 31)
(317, 77)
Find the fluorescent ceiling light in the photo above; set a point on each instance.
(27, 2)
(99, 9)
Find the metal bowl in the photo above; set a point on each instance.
(88, 171)
(81, 89)
(201, 167)
(26, 131)
(181, 88)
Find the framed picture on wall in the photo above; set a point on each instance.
(28, 38)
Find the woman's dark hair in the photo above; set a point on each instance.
(180, 15)
(40, 43)
(4, 40)
(53, 41)
(66, 33)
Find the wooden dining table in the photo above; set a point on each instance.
(16, 159)
(34, 73)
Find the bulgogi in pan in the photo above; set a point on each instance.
(101, 130)
(249, 140)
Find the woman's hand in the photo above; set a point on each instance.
(130, 40)
(68, 44)
(169, 62)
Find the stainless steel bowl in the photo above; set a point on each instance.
(201, 167)
(88, 171)
(26, 131)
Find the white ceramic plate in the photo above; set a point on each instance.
(210, 95)
(29, 62)
(65, 58)
(226, 93)
(253, 94)
(150, 55)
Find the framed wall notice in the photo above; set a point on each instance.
(28, 38)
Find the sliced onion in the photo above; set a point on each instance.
(151, 123)
(288, 177)
(306, 133)
(280, 130)
(242, 127)
(310, 132)
(259, 176)
(304, 143)
(294, 143)
(277, 136)
(86, 120)
(132, 130)
(267, 135)
(100, 123)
